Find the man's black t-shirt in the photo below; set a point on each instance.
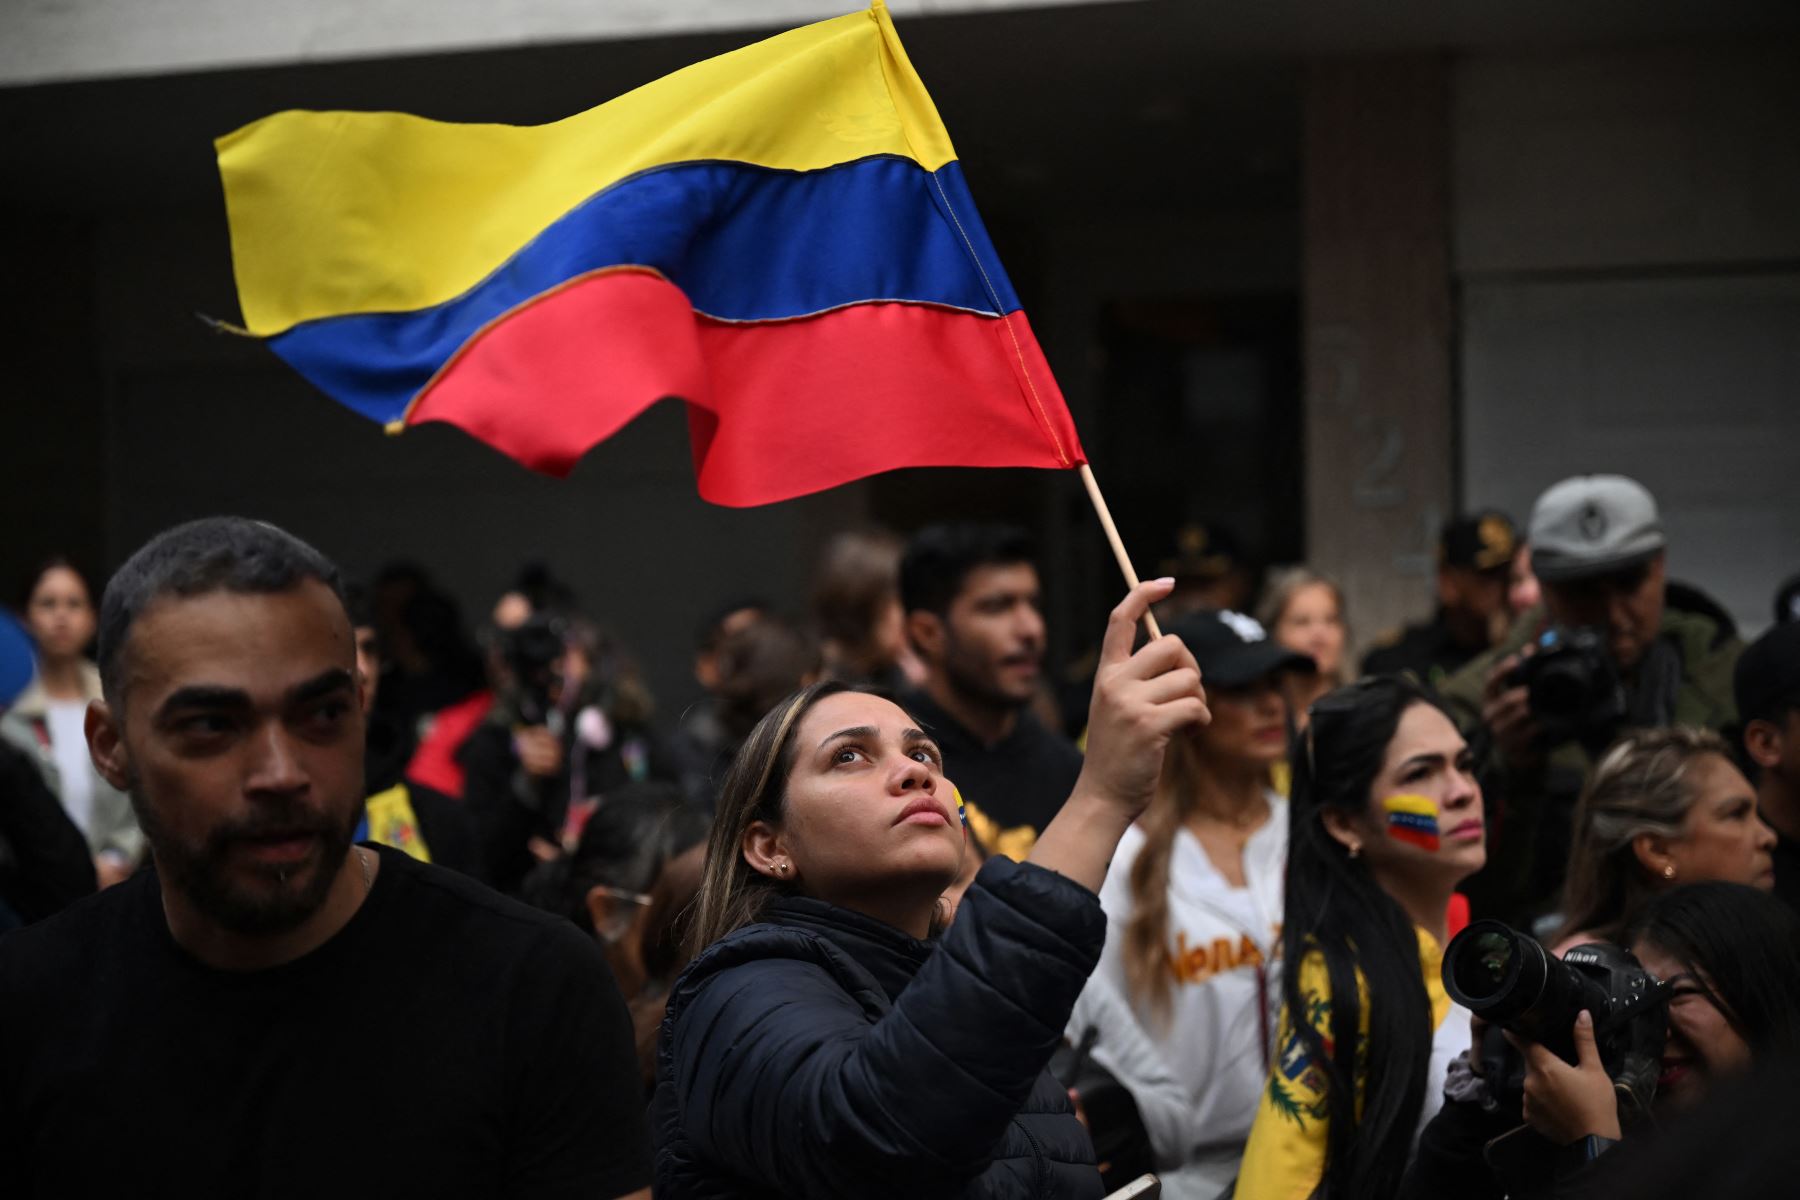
(1017, 783)
(446, 1042)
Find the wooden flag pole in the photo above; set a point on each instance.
(1118, 546)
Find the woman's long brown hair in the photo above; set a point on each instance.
(732, 894)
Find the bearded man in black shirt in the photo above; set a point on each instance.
(274, 1011)
(974, 616)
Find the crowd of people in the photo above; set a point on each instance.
(894, 907)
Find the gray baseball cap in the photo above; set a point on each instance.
(1592, 525)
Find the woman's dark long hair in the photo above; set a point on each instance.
(1336, 911)
(1747, 945)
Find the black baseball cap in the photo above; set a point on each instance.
(1767, 679)
(1234, 650)
(1481, 541)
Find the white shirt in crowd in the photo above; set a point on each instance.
(1196, 1074)
(67, 724)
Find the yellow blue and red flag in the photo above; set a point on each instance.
(781, 236)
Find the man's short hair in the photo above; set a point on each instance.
(213, 554)
(940, 558)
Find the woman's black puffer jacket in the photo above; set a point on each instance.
(821, 1053)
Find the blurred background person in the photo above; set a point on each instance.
(560, 735)
(699, 743)
(1614, 646)
(1766, 685)
(1475, 556)
(49, 718)
(1304, 611)
(974, 614)
(429, 661)
(1522, 590)
(630, 882)
(1665, 807)
(1211, 571)
(757, 666)
(410, 816)
(1181, 1005)
(1384, 821)
(856, 606)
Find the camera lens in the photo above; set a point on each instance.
(1483, 963)
(1494, 972)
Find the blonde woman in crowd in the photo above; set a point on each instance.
(1181, 1008)
(1304, 611)
(1665, 807)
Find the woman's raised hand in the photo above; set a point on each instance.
(1140, 700)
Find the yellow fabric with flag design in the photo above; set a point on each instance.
(1285, 1157)
(1014, 843)
(392, 822)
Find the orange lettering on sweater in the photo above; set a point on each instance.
(1200, 963)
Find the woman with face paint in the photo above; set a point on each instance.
(1385, 819)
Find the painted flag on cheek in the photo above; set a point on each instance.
(1412, 819)
(781, 237)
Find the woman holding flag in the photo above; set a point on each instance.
(828, 1042)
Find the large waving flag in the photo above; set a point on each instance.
(780, 236)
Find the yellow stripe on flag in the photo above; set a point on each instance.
(1418, 806)
(335, 213)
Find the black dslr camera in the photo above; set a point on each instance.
(1509, 980)
(533, 653)
(1574, 689)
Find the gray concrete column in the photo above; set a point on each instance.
(1376, 328)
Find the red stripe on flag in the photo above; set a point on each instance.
(1417, 837)
(777, 409)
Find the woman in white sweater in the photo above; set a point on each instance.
(1182, 1007)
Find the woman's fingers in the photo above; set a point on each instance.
(1121, 625)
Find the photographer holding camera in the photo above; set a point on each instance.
(569, 724)
(1613, 647)
(1599, 1044)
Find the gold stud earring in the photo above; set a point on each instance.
(1668, 872)
(782, 867)
(1355, 849)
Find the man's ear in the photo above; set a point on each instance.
(1762, 741)
(925, 630)
(766, 852)
(106, 745)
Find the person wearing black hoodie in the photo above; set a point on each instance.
(825, 1043)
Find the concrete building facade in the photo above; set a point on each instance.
(1328, 272)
